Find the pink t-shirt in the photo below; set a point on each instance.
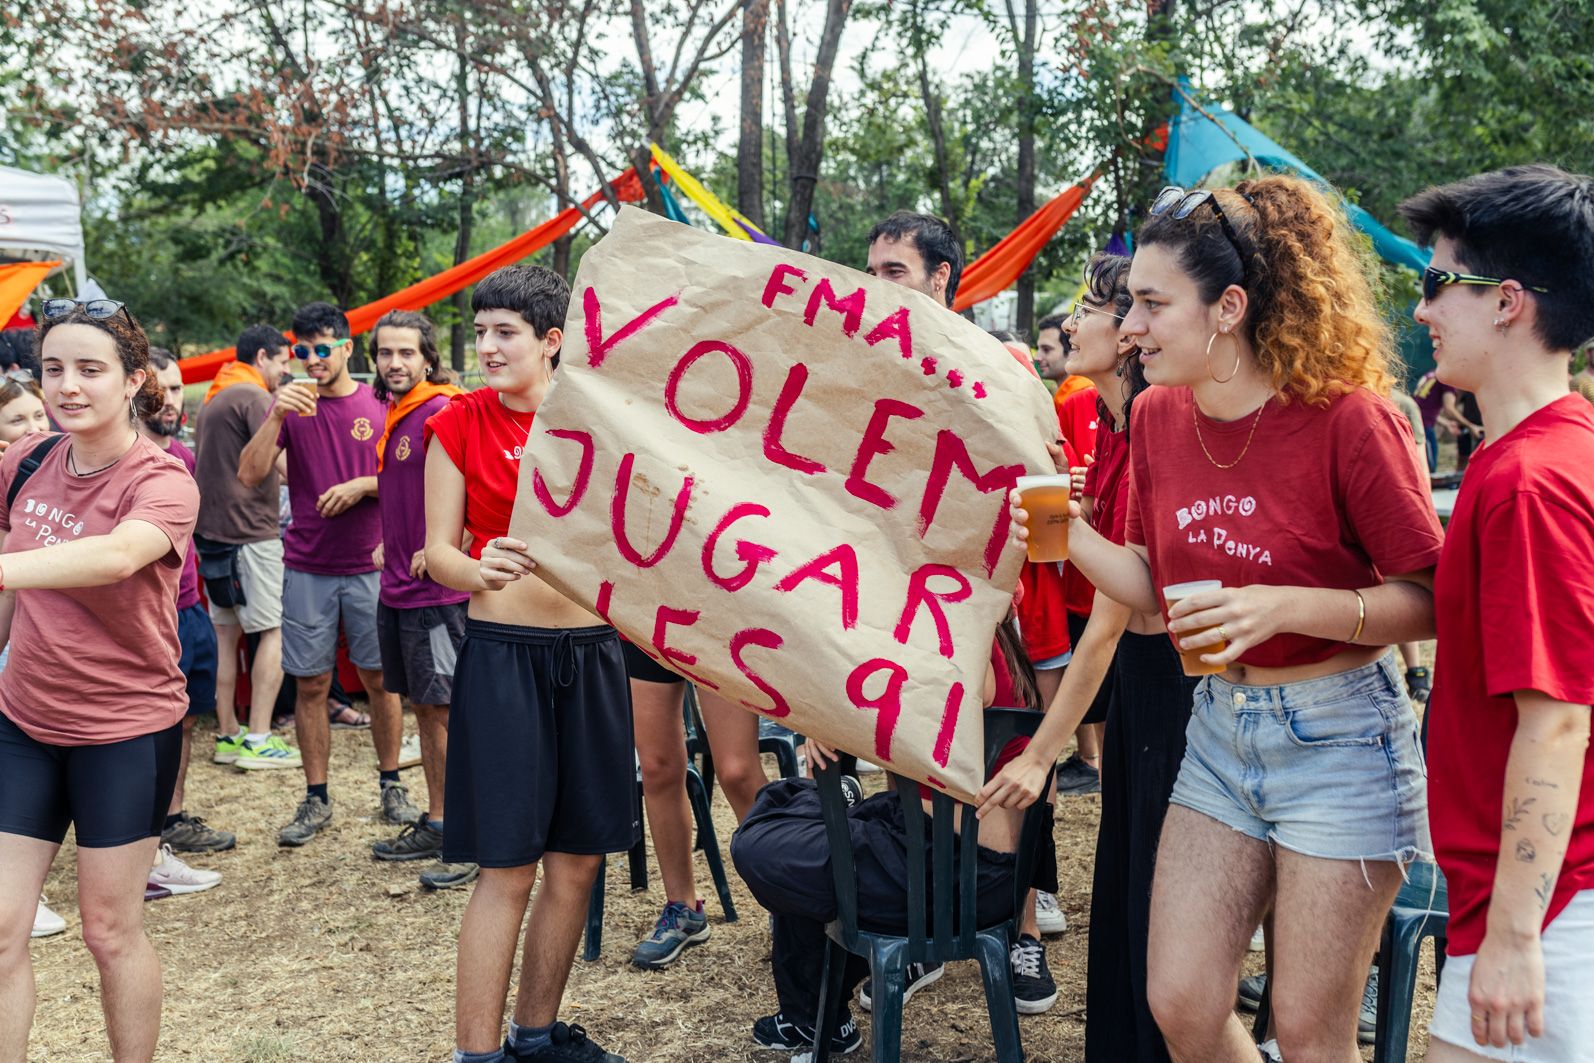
(93, 665)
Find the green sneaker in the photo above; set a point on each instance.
(272, 753)
(227, 749)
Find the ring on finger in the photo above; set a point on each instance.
(1222, 634)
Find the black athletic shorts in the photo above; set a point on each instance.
(640, 666)
(1097, 713)
(540, 749)
(114, 794)
(420, 650)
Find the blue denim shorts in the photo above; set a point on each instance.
(1328, 767)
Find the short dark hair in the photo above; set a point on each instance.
(538, 295)
(1056, 321)
(313, 318)
(18, 347)
(935, 240)
(160, 357)
(422, 324)
(1531, 224)
(257, 338)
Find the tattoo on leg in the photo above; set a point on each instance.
(1519, 809)
(1526, 853)
(1555, 822)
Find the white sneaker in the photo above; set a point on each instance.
(46, 922)
(1257, 944)
(410, 752)
(1049, 918)
(1270, 1051)
(178, 877)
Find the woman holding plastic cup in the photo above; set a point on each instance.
(1268, 458)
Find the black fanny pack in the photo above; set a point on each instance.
(218, 567)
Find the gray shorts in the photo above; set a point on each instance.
(260, 572)
(313, 605)
(419, 649)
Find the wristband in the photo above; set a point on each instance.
(1361, 616)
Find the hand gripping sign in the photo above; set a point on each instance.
(786, 480)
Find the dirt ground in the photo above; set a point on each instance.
(324, 954)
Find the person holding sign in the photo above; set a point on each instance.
(540, 762)
(1268, 459)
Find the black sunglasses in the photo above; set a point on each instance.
(321, 350)
(1181, 204)
(98, 309)
(1436, 280)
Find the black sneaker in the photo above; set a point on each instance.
(449, 876)
(1074, 776)
(569, 1044)
(1251, 989)
(851, 789)
(919, 976)
(777, 1032)
(1034, 991)
(190, 834)
(418, 841)
(1419, 684)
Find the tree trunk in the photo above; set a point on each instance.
(932, 116)
(467, 196)
(750, 146)
(1026, 158)
(805, 161)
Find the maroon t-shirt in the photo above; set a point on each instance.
(338, 444)
(401, 495)
(1514, 600)
(188, 585)
(1332, 497)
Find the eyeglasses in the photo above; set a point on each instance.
(1181, 204)
(1433, 280)
(321, 350)
(98, 309)
(1077, 312)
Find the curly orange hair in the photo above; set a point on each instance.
(1314, 321)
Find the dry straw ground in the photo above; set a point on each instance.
(322, 954)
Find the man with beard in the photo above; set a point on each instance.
(419, 622)
(198, 661)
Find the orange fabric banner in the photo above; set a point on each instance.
(17, 281)
(424, 293)
(998, 268)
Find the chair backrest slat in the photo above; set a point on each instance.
(913, 828)
(943, 809)
(842, 870)
(968, 883)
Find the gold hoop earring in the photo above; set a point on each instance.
(1233, 372)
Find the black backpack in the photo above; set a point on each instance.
(30, 465)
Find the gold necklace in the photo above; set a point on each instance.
(1196, 416)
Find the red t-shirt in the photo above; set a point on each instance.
(484, 439)
(1043, 611)
(1514, 598)
(1108, 483)
(1330, 497)
(91, 665)
(1080, 421)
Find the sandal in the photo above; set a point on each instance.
(346, 718)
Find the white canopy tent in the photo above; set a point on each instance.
(41, 213)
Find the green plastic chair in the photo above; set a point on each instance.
(936, 933)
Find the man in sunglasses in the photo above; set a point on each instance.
(1508, 297)
(329, 436)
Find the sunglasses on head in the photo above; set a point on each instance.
(1435, 280)
(303, 351)
(1077, 311)
(98, 309)
(1181, 204)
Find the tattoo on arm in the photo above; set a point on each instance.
(1543, 890)
(1545, 784)
(1526, 852)
(1519, 809)
(1555, 822)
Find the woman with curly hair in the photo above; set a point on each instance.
(1268, 459)
(96, 523)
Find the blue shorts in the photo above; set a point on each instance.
(197, 638)
(1328, 767)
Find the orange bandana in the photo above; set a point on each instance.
(235, 373)
(417, 396)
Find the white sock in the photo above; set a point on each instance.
(256, 740)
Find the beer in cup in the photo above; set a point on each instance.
(1045, 499)
(308, 387)
(1191, 659)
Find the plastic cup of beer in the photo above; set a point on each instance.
(1045, 499)
(308, 387)
(1191, 659)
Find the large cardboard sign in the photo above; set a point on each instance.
(786, 480)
